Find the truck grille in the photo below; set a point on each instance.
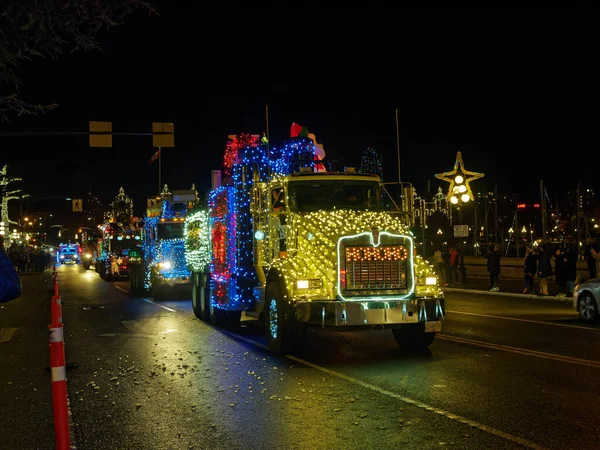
(369, 268)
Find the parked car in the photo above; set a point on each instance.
(586, 298)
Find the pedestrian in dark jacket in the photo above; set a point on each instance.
(10, 283)
(560, 272)
(530, 269)
(571, 269)
(544, 268)
(493, 266)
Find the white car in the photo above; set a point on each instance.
(586, 298)
(69, 255)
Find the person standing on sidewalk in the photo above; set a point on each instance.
(560, 272)
(438, 263)
(530, 269)
(571, 268)
(10, 283)
(591, 256)
(453, 263)
(544, 268)
(493, 266)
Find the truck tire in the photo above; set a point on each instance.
(278, 323)
(200, 297)
(413, 336)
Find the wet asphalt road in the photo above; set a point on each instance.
(504, 373)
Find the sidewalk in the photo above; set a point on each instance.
(508, 287)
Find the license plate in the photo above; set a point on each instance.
(433, 327)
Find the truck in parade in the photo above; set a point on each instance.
(285, 241)
(120, 241)
(164, 267)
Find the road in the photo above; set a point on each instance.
(505, 373)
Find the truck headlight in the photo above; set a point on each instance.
(88, 255)
(309, 284)
(62, 256)
(164, 265)
(431, 281)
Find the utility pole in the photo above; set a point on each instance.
(475, 228)
(517, 231)
(496, 213)
(544, 213)
(578, 214)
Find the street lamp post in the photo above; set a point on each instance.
(459, 195)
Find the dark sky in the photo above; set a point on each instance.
(516, 90)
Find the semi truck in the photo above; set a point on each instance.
(164, 264)
(115, 250)
(299, 248)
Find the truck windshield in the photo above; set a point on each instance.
(170, 230)
(315, 195)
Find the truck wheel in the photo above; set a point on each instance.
(199, 297)
(413, 336)
(278, 324)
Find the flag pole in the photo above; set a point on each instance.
(398, 148)
(159, 169)
(267, 117)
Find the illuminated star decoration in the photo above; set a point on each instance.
(459, 179)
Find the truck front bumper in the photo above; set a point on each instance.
(365, 314)
(173, 279)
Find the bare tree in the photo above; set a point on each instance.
(32, 29)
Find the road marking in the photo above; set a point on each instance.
(521, 351)
(579, 327)
(147, 300)
(158, 304)
(410, 401)
(421, 405)
(6, 334)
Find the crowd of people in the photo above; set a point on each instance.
(542, 264)
(28, 258)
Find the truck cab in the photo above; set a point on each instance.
(299, 248)
(164, 260)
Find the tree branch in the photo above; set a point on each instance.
(32, 29)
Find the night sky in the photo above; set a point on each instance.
(515, 90)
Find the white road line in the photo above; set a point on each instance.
(408, 400)
(521, 351)
(158, 304)
(515, 319)
(148, 300)
(123, 290)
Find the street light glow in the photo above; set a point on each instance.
(459, 179)
(465, 198)
(454, 200)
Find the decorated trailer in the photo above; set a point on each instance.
(298, 247)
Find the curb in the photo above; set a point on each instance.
(511, 294)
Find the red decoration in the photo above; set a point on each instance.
(235, 143)
(295, 129)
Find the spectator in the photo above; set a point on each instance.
(591, 255)
(530, 269)
(438, 264)
(571, 269)
(453, 263)
(544, 268)
(493, 266)
(10, 283)
(560, 272)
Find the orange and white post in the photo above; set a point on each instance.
(58, 371)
